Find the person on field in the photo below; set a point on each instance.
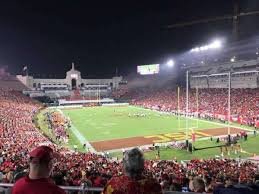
(41, 163)
(133, 181)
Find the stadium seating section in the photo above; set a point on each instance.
(211, 102)
(18, 135)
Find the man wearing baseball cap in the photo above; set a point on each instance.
(38, 181)
(133, 181)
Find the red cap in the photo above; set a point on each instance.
(42, 152)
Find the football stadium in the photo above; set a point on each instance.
(184, 123)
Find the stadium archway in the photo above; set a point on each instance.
(73, 84)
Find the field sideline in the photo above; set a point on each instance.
(110, 128)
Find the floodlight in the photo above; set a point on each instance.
(206, 47)
(170, 63)
(232, 59)
(196, 49)
(202, 48)
(215, 44)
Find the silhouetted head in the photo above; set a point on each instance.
(133, 162)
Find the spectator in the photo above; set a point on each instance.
(19, 135)
(198, 185)
(133, 182)
(41, 163)
(256, 179)
(212, 103)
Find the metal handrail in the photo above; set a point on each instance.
(84, 188)
(68, 188)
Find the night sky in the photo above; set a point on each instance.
(102, 35)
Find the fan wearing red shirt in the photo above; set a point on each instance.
(133, 182)
(38, 181)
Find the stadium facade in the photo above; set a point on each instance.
(72, 82)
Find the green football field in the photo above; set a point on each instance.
(107, 123)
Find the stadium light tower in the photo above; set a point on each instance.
(216, 44)
(170, 63)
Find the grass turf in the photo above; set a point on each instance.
(249, 147)
(101, 123)
(106, 123)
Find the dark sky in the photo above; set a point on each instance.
(102, 35)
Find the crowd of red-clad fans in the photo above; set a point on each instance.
(212, 103)
(18, 136)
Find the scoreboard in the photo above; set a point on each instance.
(148, 69)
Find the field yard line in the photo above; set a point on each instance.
(213, 122)
(79, 136)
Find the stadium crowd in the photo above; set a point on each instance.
(18, 136)
(212, 103)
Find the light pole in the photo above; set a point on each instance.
(178, 106)
(187, 108)
(229, 93)
(170, 64)
(197, 106)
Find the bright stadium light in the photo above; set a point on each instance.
(170, 63)
(196, 49)
(233, 59)
(202, 48)
(214, 45)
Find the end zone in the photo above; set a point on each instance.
(160, 138)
